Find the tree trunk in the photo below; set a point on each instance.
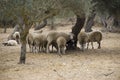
(24, 30)
(75, 30)
(5, 29)
(113, 24)
(110, 23)
(89, 22)
(104, 23)
(23, 52)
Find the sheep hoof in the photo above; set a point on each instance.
(60, 55)
(99, 47)
(82, 50)
(47, 52)
(64, 53)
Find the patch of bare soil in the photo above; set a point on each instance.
(93, 64)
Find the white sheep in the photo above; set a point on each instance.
(82, 39)
(52, 37)
(30, 39)
(10, 43)
(61, 42)
(40, 41)
(95, 36)
(16, 36)
(36, 39)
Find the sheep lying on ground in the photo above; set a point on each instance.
(16, 36)
(10, 43)
(61, 42)
(82, 39)
(95, 36)
(52, 37)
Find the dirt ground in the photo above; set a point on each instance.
(93, 64)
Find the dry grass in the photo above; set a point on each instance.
(97, 64)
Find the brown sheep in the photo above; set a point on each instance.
(82, 39)
(95, 36)
(61, 42)
(52, 37)
(30, 39)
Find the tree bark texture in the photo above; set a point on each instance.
(89, 22)
(75, 30)
(5, 26)
(5, 29)
(24, 30)
(23, 52)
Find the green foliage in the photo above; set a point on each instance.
(35, 9)
(107, 6)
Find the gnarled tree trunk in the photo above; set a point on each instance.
(75, 30)
(89, 22)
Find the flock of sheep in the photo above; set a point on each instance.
(95, 36)
(40, 41)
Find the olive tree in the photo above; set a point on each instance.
(109, 11)
(25, 12)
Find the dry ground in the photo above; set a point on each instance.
(97, 64)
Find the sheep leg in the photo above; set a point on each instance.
(39, 49)
(63, 50)
(35, 49)
(82, 46)
(30, 48)
(52, 48)
(59, 51)
(42, 48)
(87, 45)
(47, 48)
(92, 45)
(99, 45)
